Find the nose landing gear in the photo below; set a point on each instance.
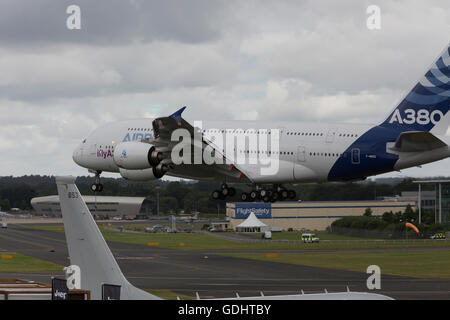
(97, 186)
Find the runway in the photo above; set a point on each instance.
(210, 274)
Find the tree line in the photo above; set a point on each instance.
(390, 224)
(175, 196)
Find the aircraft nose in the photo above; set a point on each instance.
(76, 155)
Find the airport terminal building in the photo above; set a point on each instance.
(307, 215)
(98, 205)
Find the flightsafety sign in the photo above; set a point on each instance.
(261, 210)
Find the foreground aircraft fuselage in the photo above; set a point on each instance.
(413, 134)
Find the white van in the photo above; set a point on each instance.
(267, 235)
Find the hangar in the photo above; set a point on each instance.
(98, 205)
(307, 215)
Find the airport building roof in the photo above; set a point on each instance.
(92, 199)
(432, 181)
(98, 205)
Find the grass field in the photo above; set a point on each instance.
(322, 235)
(47, 228)
(418, 264)
(21, 263)
(201, 241)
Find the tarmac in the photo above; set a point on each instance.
(210, 274)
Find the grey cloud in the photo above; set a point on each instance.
(255, 59)
(106, 22)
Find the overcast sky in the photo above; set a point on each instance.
(286, 60)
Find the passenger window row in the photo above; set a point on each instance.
(304, 134)
(139, 129)
(326, 154)
(267, 152)
(235, 131)
(347, 135)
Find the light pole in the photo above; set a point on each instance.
(157, 200)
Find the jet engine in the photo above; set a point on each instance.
(140, 175)
(136, 155)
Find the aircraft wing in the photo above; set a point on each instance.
(418, 141)
(163, 128)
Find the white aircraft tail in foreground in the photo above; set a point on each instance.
(89, 251)
(87, 247)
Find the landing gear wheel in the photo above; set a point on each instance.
(225, 192)
(97, 187)
(232, 191)
(223, 186)
(284, 194)
(244, 196)
(216, 194)
(266, 199)
(292, 194)
(275, 196)
(253, 195)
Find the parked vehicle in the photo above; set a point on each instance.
(310, 238)
(438, 236)
(267, 235)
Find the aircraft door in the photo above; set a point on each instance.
(330, 135)
(282, 131)
(92, 149)
(356, 156)
(301, 154)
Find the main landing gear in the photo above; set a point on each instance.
(97, 186)
(265, 194)
(276, 193)
(225, 191)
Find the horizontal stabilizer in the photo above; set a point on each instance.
(417, 141)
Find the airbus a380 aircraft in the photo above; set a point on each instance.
(412, 134)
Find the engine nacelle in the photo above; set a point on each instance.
(160, 170)
(138, 175)
(136, 155)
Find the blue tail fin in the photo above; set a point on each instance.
(426, 106)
